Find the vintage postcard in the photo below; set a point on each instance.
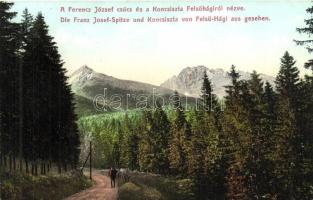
(156, 100)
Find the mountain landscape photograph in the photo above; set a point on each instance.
(87, 84)
(126, 109)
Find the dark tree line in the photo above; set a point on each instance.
(259, 147)
(37, 120)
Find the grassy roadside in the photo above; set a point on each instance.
(17, 186)
(154, 187)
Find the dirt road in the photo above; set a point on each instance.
(100, 191)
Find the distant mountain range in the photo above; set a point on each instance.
(189, 80)
(87, 84)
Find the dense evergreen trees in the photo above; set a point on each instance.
(261, 147)
(305, 116)
(9, 70)
(286, 131)
(180, 138)
(154, 149)
(38, 124)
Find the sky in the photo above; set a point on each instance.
(154, 52)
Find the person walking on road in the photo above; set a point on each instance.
(112, 174)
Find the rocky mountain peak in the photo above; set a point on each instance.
(83, 69)
(189, 80)
(81, 75)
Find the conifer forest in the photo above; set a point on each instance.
(256, 143)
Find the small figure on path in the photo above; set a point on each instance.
(112, 174)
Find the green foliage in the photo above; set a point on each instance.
(208, 98)
(130, 191)
(308, 30)
(84, 106)
(148, 186)
(153, 147)
(134, 192)
(264, 137)
(260, 148)
(23, 186)
(106, 131)
(48, 101)
(204, 157)
(9, 82)
(37, 119)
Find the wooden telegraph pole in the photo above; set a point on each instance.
(90, 164)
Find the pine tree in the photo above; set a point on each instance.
(49, 110)
(236, 137)
(131, 142)
(207, 97)
(288, 138)
(269, 142)
(154, 148)
(308, 30)
(306, 130)
(9, 109)
(269, 100)
(161, 129)
(180, 139)
(285, 153)
(25, 27)
(197, 154)
(287, 80)
(203, 150)
(24, 34)
(232, 89)
(117, 149)
(306, 111)
(146, 143)
(259, 106)
(255, 106)
(204, 156)
(210, 101)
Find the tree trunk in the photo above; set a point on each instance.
(10, 163)
(59, 168)
(33, 168)
(21, 114)
(26, 166)
(65, 167)
(41, 168)
(14, 163)
(36, 168)
(21, 164)
(5, 161)
(48, 167)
